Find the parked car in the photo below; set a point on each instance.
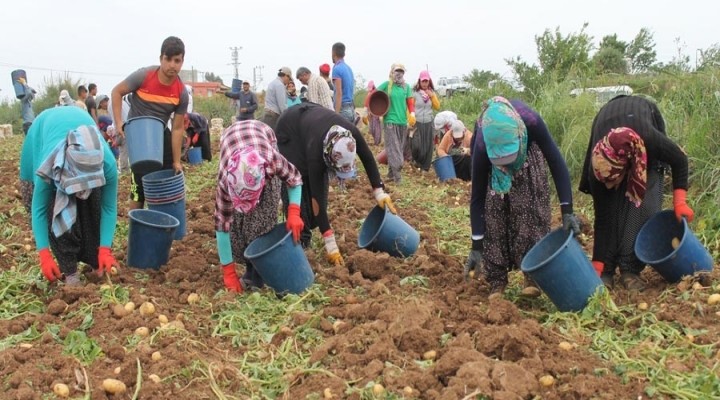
(446, 87)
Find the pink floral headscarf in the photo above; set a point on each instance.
(245, 178)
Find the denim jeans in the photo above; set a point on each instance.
(348, 111)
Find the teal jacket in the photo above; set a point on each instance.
(47, 131)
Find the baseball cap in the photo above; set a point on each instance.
(325, 69)
(286, 71)
(398, 67)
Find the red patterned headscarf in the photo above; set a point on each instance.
(622, 153)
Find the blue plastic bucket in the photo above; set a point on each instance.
(386, 232)
(19, 88)
(145, 143)
(162, 177)
(561, 269)
(444, 168)
(177, 210)
(236, 85)
(653, 246)
(281, 263)
(150, 237)
(195, 155)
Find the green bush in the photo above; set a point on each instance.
(217, 106)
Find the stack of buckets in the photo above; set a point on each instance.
(165, 192)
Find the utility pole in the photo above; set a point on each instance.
(257, 75)
(235, 63)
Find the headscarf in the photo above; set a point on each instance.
(622, 152)
(245, 178)
(339, 150)
(443, 119)
(505, 137)
(396, 76)
(75, 167)
(370, 86)
(65, 99)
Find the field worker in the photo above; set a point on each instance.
(421, 142)
(248, 195)
(197, 134)
(456, 144)
(511, 147)
(122, 160)
(320, 142)
(28, 115)
(74, 202)
(396, 121)
(156, 92)
(276, 97)
(623, 173)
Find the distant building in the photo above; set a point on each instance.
(207, 89)
(188, 75)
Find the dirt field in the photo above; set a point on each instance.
(379, 319)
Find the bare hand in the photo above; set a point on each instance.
(177, 167)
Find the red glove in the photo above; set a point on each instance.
(599, 266)
(232, 283)
(48, 265)
(105, 260)
(294, 222)
(681, 207)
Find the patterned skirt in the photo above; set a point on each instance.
(247, 227)
(375, 129)
(517, 220)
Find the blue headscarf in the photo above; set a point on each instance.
(506, 140)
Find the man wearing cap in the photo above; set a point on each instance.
(318, 91)
(276, 97)
(512, 145)
(344, 81)
(320, 142)
(247, 103)
(325, 74)
(456, 144)
(74, 200)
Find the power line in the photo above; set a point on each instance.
(11, 65)
(235, 62)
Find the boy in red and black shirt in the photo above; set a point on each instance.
(157, 92)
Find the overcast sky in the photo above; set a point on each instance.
(102, 41)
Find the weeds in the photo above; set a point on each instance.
(640, 346)
(253, 322)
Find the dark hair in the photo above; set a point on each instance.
(171, 47)
(91, 87)
(339, 49)
(430, 85)
(82, 89)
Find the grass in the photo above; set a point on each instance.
(640, 346)
(252, 323)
